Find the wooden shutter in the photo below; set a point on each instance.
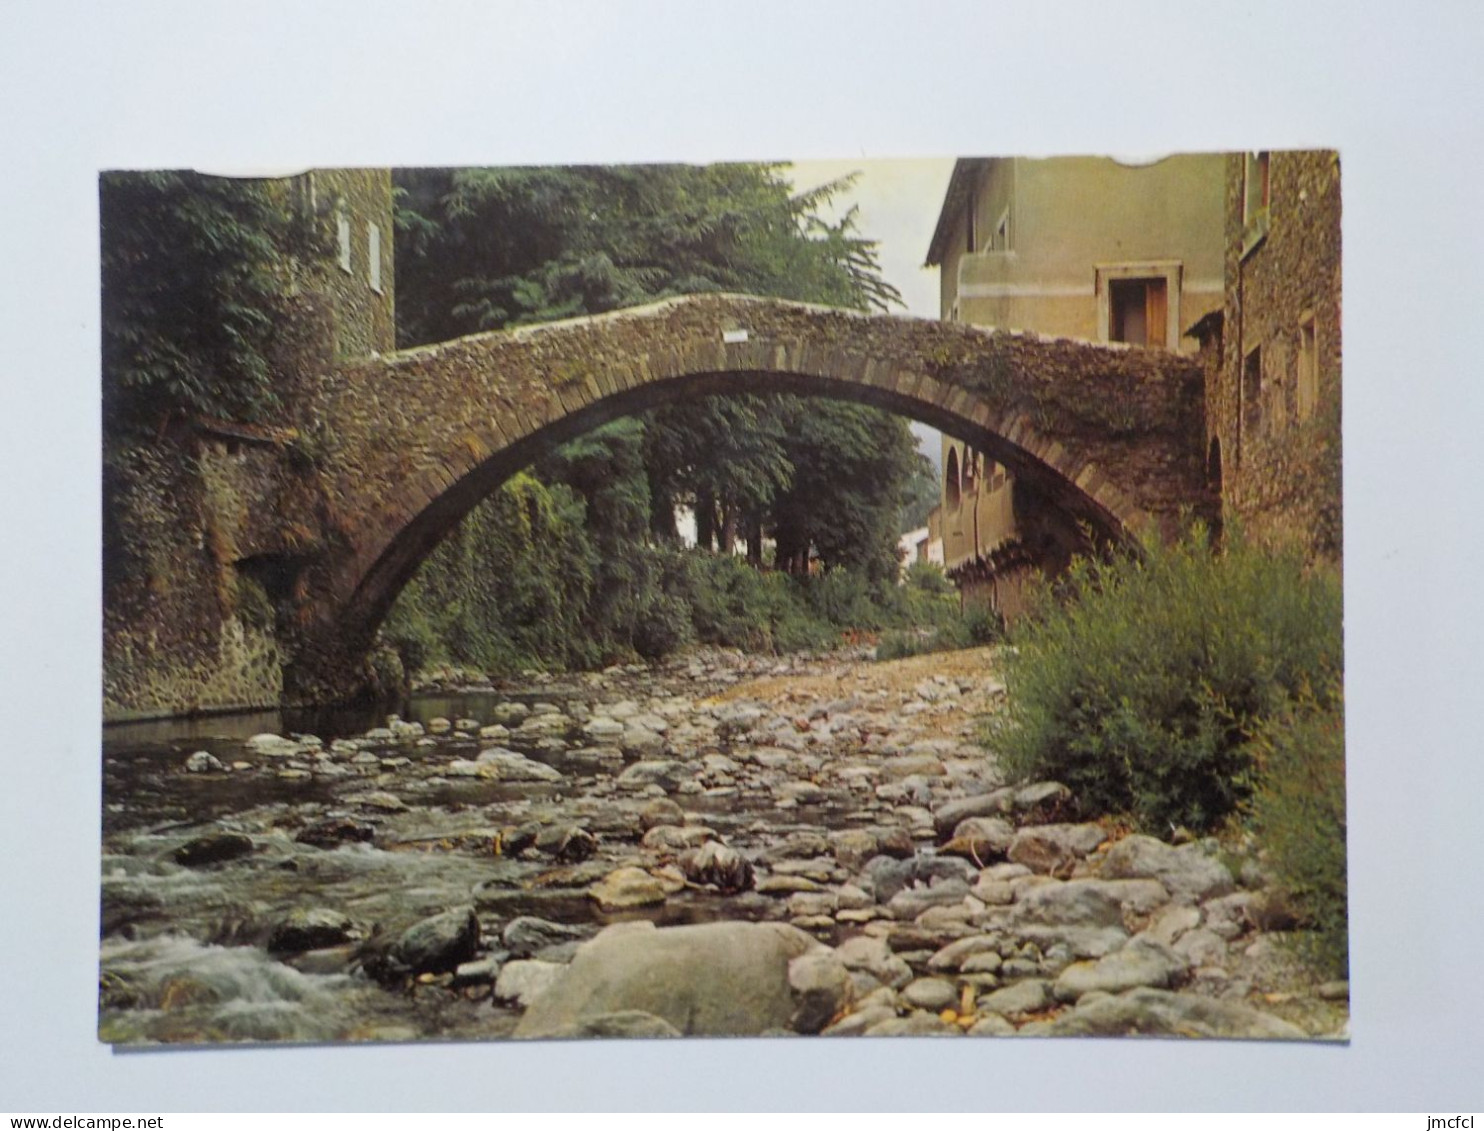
(1155, 312)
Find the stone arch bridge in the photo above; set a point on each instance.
(415, 439)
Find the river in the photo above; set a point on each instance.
(343, 876)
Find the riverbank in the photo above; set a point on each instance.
(832, 819)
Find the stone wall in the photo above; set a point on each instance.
(364, 320)
(217, 535)
(183, 629)
(1279, 444)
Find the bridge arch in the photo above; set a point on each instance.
(1112, 435)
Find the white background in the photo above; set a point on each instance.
(270, 83)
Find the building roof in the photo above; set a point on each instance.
(1208, 325)
(960, 186)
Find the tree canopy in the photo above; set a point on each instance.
(192, 276)
(487, 249)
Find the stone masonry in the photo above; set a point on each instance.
(1110, 434)
(1273, 394)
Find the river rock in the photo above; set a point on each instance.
(1201, 947)
(1186, 870)
(821, 988)
(912, 902)
(918, 1023)
(603, 729)
(950, 958)
(309, 929)
(991, 1025)
(950, 813)
(628, 887)
(1076, 903)
(716, 865)
(272, 745)
(203, 762)
(980, 838)
(1053, 848)
(1029, 996)
(1041, 795)
(439, 943)
(853, 847)
(568, 844)
(1142, 962)
(665, 773)
(1172, 922)
(934, 994)
(859, 1022)
(544, 724)
(524, 935)
(378, 799)
(1155, 1012)
(1229, 916)
(661, 811)
(873, 956)
(213, 848)
(524, 980)
(676, 838)
(641, 742)
(714, 979)
(335, 831)
(509, 766)
(627, 1023)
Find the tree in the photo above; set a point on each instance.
(192, 278)
(482, 249)
(485, 249)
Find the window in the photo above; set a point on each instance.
(971, 223)
(951, 488)
(1139, 303)
(1137, 311)
(342, 232)
(1252, 391)
(1257, 192)
(373, 242)
(1308, 368)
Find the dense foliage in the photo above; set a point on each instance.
(1143, 689)
(483, 249)
(191, 283)
(1298, 813)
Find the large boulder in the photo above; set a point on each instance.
(1142, 962)
(439, 943)
(713, 979)
(1054, 848)
(1186, 871)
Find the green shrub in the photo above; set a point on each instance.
(974, 627)
(928, 577)
(1298, 813)
(1142, 688)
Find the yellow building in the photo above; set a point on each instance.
(1079, 247)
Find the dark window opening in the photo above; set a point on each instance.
(1252, 392)
(951, 486)
(1137, 311)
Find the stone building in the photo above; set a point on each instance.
(1079, 247)
(209, 532)
(1273, 351)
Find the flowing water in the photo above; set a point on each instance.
(185, 949)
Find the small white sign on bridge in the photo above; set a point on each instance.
(730, 336)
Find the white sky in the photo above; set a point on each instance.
(899, 203)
